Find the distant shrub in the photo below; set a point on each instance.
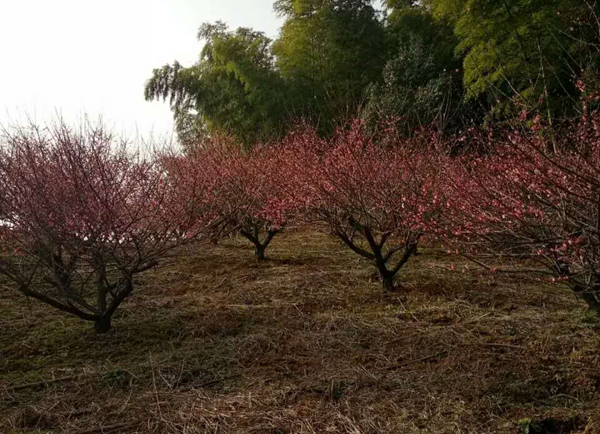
(247, 189)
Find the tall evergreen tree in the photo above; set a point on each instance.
(233, 88)
(519, 53)
(329, 51)
(422, 79)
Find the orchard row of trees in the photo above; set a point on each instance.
(448, 63)
(81, 214)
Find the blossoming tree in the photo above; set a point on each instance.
(247, 187)
(379, 200)
(81, 215)
(533, 205)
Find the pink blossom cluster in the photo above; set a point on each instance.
(81, 215)
(531, 197)
(378, 200)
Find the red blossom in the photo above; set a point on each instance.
(80, 215)
(378, 197)
(528, 198)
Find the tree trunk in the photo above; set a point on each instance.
(591, 297)
(259, 248)
(259, 252)
(387, 281)
(103, 325)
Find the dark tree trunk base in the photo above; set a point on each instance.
(388, 284)
(259, 248)
(259, 252)
(592, 298)
(592, 302)
(103, 325)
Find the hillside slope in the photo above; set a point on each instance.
(213, 341)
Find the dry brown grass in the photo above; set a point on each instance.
(306, 343)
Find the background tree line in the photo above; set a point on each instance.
(446, 63)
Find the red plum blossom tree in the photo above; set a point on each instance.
(533, 204)
(377, 197)
(81, 215)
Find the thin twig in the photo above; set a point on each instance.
(422, 359)
(43, 383)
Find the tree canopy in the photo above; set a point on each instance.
(233, 87)
(448, 62)
(521, 54)
(329, 51)
(421, 80)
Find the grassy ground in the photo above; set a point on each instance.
(306, 343)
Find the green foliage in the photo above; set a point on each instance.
(413, 89)
(520, 54)
(416, 23)
(328, 52)
(421, 81)
(424, 61)
(401, 4)
(234, 88)
(447, 9)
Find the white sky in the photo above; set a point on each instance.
(93, 57)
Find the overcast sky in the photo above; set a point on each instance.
(93, 57)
